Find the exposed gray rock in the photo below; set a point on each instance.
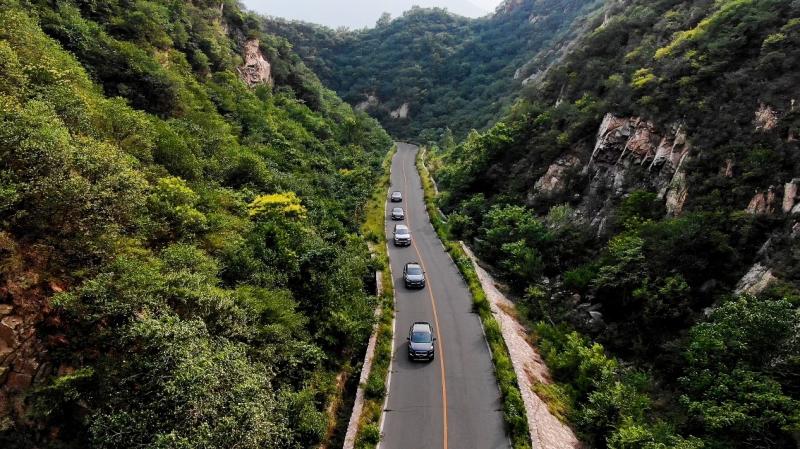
(371, 101)
(401, 112)
(256, 69)
(755, 281)
(554, 180)
(762, 203)
(790, 197)
(624, 144)
(766, 118)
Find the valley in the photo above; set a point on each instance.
(194, 226)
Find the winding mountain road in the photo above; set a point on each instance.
(452, 402)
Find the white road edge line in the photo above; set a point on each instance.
(382, 421)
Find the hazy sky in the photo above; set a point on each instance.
(360, 13)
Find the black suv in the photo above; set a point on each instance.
(413, 275)
(398, 213)
(420, 341)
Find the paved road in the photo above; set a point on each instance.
(452, 402)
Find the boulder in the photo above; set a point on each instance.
(790, 191)
(677, 193)
(401, 112)
(553, 181)
(755, 281)
(762, 203)
(370, 102)
(256, 69)
(766, 118)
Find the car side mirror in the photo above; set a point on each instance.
(408, 338)
(434, 338)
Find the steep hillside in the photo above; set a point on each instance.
(645, 193)
(179, 257)
(429, 69)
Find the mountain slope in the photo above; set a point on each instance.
(429, 69)
(644, 193)
(180, 201)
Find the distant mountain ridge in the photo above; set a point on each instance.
(357, 13)
(429, 69)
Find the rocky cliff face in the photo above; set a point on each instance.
(629, 154)
(256, 69)
(401, 112)
(27, 328)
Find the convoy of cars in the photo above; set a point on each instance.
(420, 335)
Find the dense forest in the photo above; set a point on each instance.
(430, 70)
(180, 259)
(641, 202)
(180, 201)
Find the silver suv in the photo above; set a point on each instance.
(402, 236)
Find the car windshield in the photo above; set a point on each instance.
(414, 269)
(396, 194)
(401, 230)
(398, 210)
(421, 337)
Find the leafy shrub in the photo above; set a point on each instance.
(375, 387)
(370, 434)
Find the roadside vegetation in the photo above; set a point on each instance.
(374, 228)
(634, 308)
(189, 244)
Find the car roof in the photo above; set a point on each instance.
(421, 326)
(397, 208)
(400, 227)
(397, 191)
(413, 264)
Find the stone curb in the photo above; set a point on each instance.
(366, 368)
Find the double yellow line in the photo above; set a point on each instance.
(435, 315)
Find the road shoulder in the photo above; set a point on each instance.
(546, 431)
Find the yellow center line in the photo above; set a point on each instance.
(435, 315)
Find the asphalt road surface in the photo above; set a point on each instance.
(452, 402)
